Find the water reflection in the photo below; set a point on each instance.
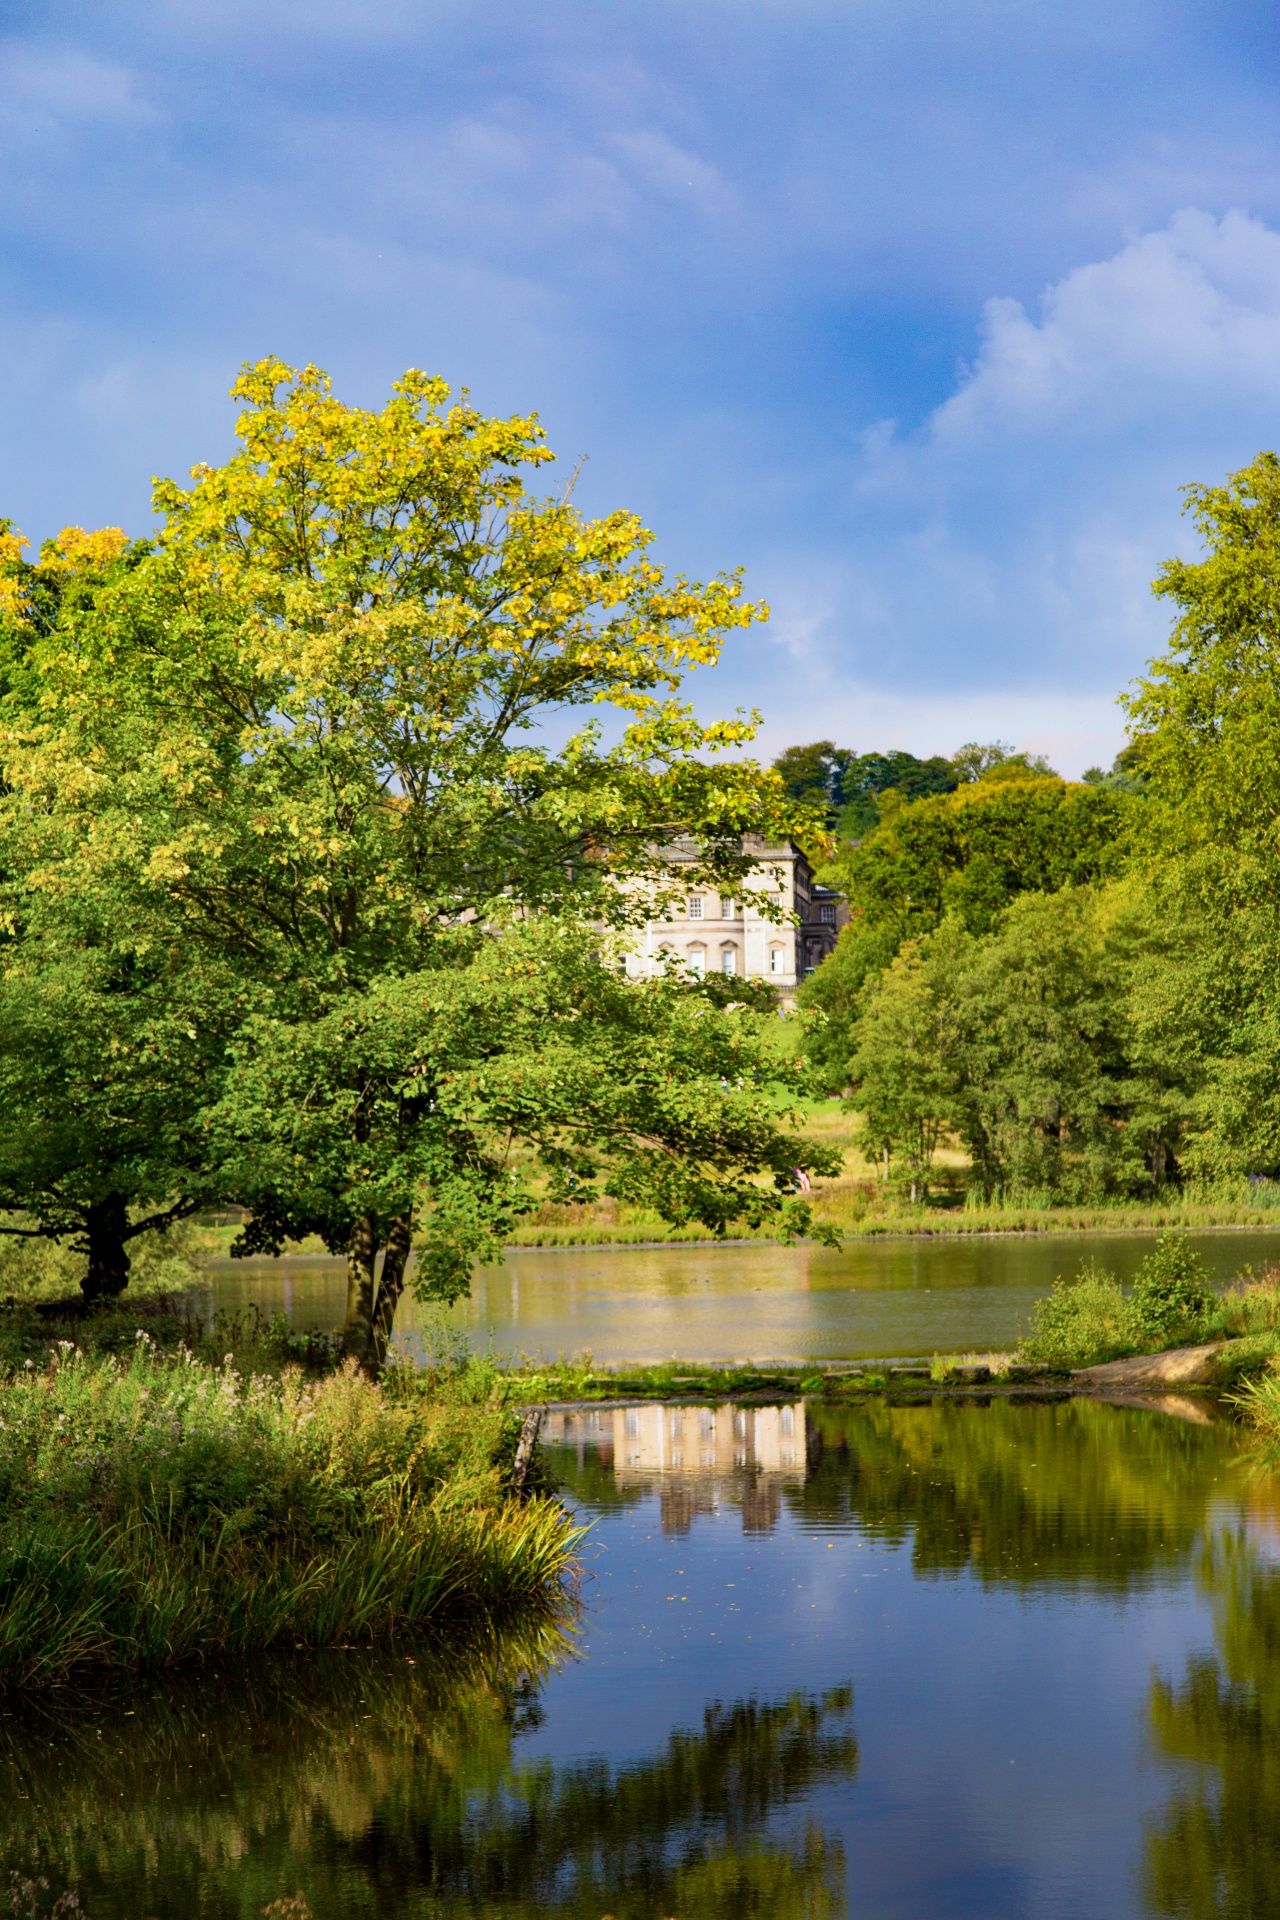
(1061, 1492)
(998, 1583)
(1213, 1852)
(701, 1458)
(897, 1295)
(394, 1786)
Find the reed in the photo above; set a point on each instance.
(157, 1509)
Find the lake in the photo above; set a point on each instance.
(949, 1659)
(872, 1299)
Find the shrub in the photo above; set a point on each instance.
(1172, 1296)
(1083, 1321)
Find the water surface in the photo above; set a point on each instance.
(873, 1298)
(931, 1661)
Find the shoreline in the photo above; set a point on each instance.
(1062, 1230)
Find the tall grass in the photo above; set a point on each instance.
(153, 1509)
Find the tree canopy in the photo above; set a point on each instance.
(294, 750)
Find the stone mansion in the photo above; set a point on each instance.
(716, 931)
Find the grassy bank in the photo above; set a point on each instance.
(857, 1221)
(158, 1507)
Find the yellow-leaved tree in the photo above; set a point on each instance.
(311, 746)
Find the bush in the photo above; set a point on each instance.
(1172, 1296)
(1082, 1322)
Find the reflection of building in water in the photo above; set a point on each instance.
(747, 1453)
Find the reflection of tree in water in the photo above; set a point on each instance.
(1214, 1852)
(590, 1481)
(1070, 1492)
(385, 1787)
(678, 1833)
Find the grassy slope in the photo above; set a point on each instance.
(860, 1205)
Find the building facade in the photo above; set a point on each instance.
(721, 933)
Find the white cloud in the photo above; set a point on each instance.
(1011, 542)
(1178, 318)
(43, 88)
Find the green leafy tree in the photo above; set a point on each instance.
(970, 852)
(1024, 1045)
(903, 1073)
(868, 777)
(832, 997)
(515, 1039)
(1042, 1092)
(1205, 720)
(300, 739)
(973, 851)
(107, 1063)
(109, 1041)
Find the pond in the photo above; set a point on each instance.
(874, 1298)
(946, 1659)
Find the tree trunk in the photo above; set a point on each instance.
(391, 1285)
(362, 1256)
(106, 1225)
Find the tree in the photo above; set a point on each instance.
(1024, 1044)
(903, 1071)
(998, 759)
(301, 737)
(1205, 720)
(973, 851)
(422, 1089)
(108, 1044)
(107, 1062)
(969, 852)
(1042, 1093)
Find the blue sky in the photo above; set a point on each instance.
(921, 310)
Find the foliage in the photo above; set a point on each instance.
(108, 1059)
(833, 995)
(156, 1509)
(108, 1049)
(1171, 1293)
(903, 1067)
(425, 1083)
(1205, 719)
(1023, 1045)
(849, 784)
(1003, 832)
(852, 786)
(973, 851)
(287, 763)
(39, 1269)
(1082, 1322)
(1127, 772)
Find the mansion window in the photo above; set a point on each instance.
(728, 960)
(827, 913)
(697, 959)
(695, 906)
(775, 959)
